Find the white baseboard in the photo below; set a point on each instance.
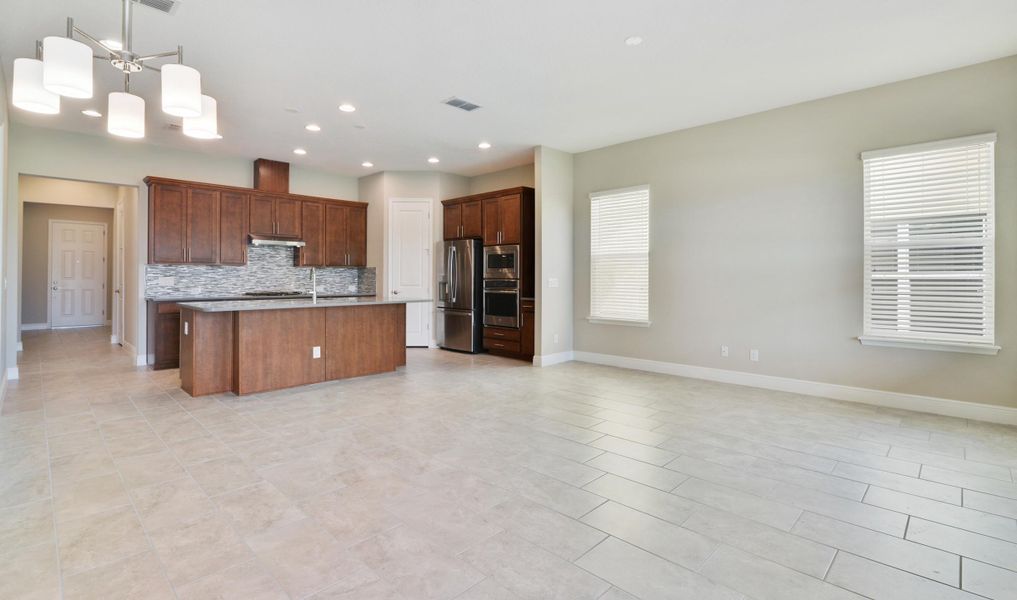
(109, 323)
(114, 339)
(3, 390)
(12, 373)
(140, 360)
(21, 346)
(34, 326)
(546, 360)
(928, 404)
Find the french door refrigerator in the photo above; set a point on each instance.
(460, 296)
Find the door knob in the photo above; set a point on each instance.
(395, 292)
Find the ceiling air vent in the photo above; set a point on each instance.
(462, 104)
(166, 6)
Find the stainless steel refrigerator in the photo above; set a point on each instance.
(460, 292)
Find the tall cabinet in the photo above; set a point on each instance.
(501, 218)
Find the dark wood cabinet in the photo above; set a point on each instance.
(262, 215)
(166, 215)
(528, 317)
(233, 223)
(202, 231)
(275, 216)
(463, 220)
(205, 223)
(287, 217)
(166, 344)
(503, 220)
(345, 236)
(312, 215)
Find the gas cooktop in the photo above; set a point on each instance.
(273, 293)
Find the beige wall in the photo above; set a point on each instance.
(35, 264)
(555, 215)
(61, 154)
(47, 190)
(501, 180)
(5, 211)
(756, 237)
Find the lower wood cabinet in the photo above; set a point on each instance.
(528, 315)
(166, 344)
(510, 341)
(274, 348)
(365, 339)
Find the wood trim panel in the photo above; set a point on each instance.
(272, 176)
(522, 190)
(363, 340)
(153, 180)
(206, 352)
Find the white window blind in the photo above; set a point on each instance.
(929, 243)
(620, 255)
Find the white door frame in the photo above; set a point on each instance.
(119, 240)
(390, 254)
(49, 268)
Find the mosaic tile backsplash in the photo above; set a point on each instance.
(268, 268)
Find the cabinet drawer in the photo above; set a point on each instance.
(167, 308)
(500, 333)
(502, 346)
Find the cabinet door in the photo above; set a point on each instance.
(510, 219)
(526, 339)
(202, 226)
(313, 216)
(262, 211)
(232, 228)
(356, 236)
(336, 218)
(492, 221)
(287, 217)
(473, 226)
(168, 206)
(452, 219)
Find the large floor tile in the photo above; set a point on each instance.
(681, 546)
(768, 512)
(139, 577)
(561, 535)
(966, 543)
(636, 470)
(989, 581)
(650, 500)
(100, 539)
(880, 582)
(765, 580)
(947, 514)
(650, 577)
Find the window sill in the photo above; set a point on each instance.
(599, 321)
(936, 345)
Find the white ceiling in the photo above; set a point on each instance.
(547, 72)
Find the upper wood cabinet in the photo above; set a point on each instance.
(502, 220)
(202, 226)
(275, 216)
(233, 225)
(463, 220)
(312, 215)
(345, 236)
(204, 223)
(167, 212)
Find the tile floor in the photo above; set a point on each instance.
(469, 477)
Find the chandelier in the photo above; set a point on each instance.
(63, 67)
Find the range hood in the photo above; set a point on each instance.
(264, 240)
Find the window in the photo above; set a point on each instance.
(620, 256)
(929, 245)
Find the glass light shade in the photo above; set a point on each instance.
(66, 67)
(206, 126)
(181, 91)
(126, 115)
(28, 93)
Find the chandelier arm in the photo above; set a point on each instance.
(152, 67)
(166, 54)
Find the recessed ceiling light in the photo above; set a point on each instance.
(484, 145)
(433, 160)
(299, 151)
(633, 40)
(367, 164)
(312, 127)
(112, 45)
(91, 113)
(347, 107)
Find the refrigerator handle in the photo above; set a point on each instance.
(452, 273)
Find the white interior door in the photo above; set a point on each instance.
(77, 254)
(409, 269)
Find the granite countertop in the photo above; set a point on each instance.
(288, 303)
(242, 297)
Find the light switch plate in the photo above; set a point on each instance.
(552, 282)
(754, 355)
(316, 352)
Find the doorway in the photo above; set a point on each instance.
(77, 274)
(409, 263)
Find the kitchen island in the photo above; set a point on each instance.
(250, 346)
